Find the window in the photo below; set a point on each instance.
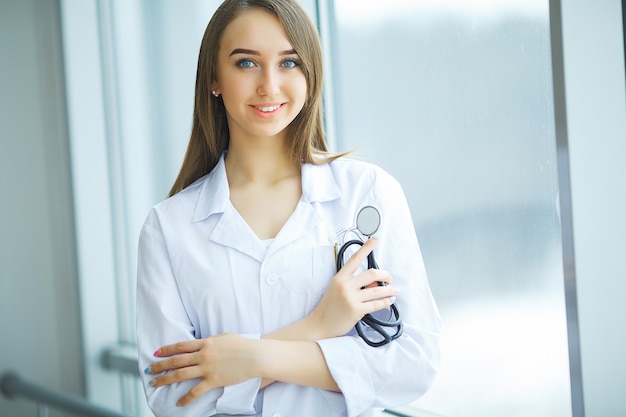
(454, 98)
(130, 77)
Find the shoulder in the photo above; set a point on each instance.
(186, 196)
(350, 171)
(180, 205)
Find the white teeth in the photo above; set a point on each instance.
(268, 109)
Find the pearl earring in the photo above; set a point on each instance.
(215, 93)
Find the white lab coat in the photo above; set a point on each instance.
(202, 272)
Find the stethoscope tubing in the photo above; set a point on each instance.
(368, 319)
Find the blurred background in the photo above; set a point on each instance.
(455, 98)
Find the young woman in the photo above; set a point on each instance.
(240, 309)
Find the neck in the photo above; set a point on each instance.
(258, 164)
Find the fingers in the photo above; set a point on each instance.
(181, 357)
(377, 292)
(378, 304)
(184, 375)
(359, 256)
(371, 294)
(194, 393)
(176, 362)
(365, 288)
(216, 362)
(186, 346)
(179, 375)
(372, 277)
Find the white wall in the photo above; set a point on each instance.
(39, 321)
(596, 122)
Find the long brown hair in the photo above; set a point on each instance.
(209, 132)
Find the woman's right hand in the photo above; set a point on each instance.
(349, 297)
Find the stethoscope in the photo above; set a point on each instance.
(367, 224)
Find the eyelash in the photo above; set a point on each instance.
(296, 62)
(244, 63)
(240, 63)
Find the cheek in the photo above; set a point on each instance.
(233, 86)
(303, 84)
(234, 93)
(300, 88)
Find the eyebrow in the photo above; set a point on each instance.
(252, 52)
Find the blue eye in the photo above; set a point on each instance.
(245, 63)
(290, 63)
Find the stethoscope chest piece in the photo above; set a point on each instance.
(368, 220)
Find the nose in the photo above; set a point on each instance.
(269, 84)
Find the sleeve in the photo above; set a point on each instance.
(162, 319)
(403, 370)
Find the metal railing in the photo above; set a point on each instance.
(13, 386)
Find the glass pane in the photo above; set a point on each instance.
(454, 98)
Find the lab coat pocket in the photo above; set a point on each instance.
(311, 271)
(323, 271)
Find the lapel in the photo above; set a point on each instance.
(318, 186)
(233, 231)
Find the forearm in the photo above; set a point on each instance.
(305, 330)
(294, 362)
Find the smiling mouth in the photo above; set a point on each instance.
(267, 109)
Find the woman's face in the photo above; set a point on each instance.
(259, 76)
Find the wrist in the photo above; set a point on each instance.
(314, 325)
(257, 354)
(293, 362)
(263, 351)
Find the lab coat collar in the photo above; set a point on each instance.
(318, 185)
(214, 196)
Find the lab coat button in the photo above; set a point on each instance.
(271, 279)
(276, 415)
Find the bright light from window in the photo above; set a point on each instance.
(375, 10)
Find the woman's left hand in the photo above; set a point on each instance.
(217, 361)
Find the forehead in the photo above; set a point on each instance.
(257, 30)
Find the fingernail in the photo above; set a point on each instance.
(178, 404)
(157, 353)
(147, 370)
(153, 382)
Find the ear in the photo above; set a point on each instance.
(216, 88)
